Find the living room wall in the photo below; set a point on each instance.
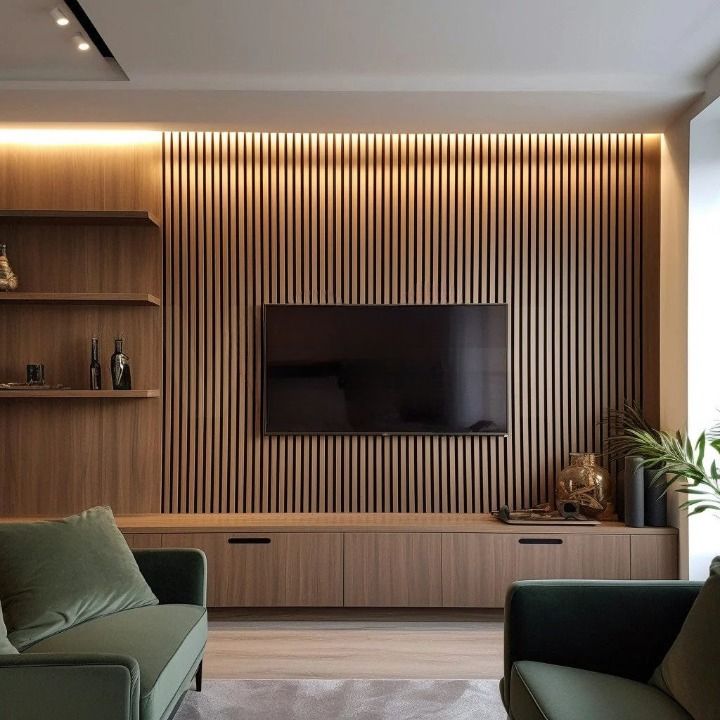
(564, 228)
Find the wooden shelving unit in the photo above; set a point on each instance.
(67, 263)
(83, 227)
(78, 217)
(59, 298)
(78, 394)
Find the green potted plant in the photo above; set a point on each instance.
(675, 459)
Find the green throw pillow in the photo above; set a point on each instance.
(689, 671)
(6, 647)
(54, 575)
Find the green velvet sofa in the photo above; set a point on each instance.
(132, 665)
(587, 649)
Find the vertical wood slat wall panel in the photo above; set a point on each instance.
(551, 224)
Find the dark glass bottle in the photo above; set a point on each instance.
(95, 373)
(120, 368)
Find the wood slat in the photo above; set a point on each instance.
(562, 227)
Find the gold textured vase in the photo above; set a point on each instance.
(585, 483)
(8, 279)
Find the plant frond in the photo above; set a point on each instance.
(674, 459)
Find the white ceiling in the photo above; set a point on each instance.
(364, 64)
(33, 48)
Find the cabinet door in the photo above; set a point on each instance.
(478, 568)
(393, 570)
(269, 569)
(654, 557)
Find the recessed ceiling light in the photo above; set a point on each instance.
(59, 17)
(81, 43)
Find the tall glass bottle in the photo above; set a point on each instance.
(95, 372)
(120, 368)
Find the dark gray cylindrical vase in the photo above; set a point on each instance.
(634, 492)
(655, 501)
(620, 494)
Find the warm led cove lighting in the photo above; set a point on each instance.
(59, 17)
(39, 136)
(81, 43)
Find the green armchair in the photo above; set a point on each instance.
(587, 649)
(131, 665)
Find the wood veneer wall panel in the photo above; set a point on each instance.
(61, 456)
(561, 227)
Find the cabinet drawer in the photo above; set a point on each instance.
(143, 541)
(269, 569)
(479, 567)
(393, 570)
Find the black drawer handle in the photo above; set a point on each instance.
(249, 541)
(541, 541)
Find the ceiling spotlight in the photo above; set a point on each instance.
(81, 43)
(59, 17)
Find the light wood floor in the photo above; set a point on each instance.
(351, 644)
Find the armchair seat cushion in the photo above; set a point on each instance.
(166, 640)
(540, 691)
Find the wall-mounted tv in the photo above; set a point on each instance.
(385, 369)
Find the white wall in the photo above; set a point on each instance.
(683, 352)
(703, 295)
(673, 299)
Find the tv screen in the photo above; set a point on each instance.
(387, 369)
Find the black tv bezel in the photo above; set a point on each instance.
(383, 433)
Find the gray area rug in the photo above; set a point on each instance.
(337, 699)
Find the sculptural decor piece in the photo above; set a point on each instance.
(120, 368)
(35, 374)
(586, 484)
(8, 279)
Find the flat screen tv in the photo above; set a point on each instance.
(385, 369)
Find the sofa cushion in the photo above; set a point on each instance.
(689, 671)
(6, 647)
(539, 691)
(166, 640)
(56, 574)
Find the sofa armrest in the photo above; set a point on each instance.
(177, 576)
(73, 686)
(619, 627)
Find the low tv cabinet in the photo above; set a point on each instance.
(397, 560)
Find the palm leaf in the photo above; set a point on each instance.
(675, 460)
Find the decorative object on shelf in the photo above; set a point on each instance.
(585, 483)
(544, 514)
(8, 279)
(655, 499)
(120, 368)
(27, 386)
(675, 458)
(35, 374)
(620, 484)
(95, 372)
(634, 494)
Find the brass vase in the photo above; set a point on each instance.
(586, 484)
(8, 279)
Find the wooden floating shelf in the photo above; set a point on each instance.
(78, 394)
(137, 218)
(46, 298)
